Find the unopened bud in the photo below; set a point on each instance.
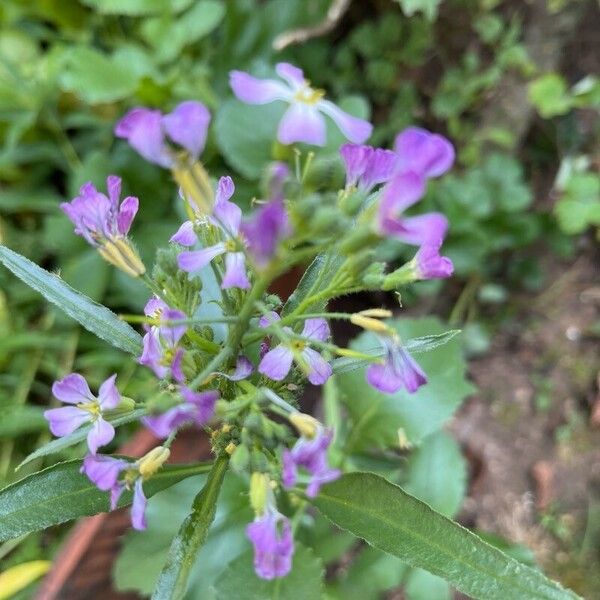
(153, 461)
(305, 424)
(376, 313)
(196, 188)
(369, 323)
(259, 490)
(125, 406)
(240, 458)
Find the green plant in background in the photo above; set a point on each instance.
(68, 70)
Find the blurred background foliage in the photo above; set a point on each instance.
(526, 183)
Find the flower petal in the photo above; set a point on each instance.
(235, 271)
(355, 129)
(72, 389)
(302, 123)
(427, 153)
(423, 229)
(127, 212)
(251, 90)
(316, 329)
(187, 125)
(195, 260)
(185, 235)
(65, 420)
(320, 369)
(113, 186)
(103, 471)
(294, 76)
(142, 128)
(383, 378)
(270, 317)
(138, 508)
(276, 363)
(101, 433)
(108, 394)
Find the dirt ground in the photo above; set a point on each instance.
(532, 433)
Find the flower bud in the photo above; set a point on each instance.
(376, 313)
(153, 461)
(361, 238)
(259, 491)
(306, 425)
(240, 458)
(369, 323)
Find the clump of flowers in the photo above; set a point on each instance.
(240, 375)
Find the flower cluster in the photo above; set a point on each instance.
(237, 371)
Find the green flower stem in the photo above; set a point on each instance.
(212, 366)
(172, 582)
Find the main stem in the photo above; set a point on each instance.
(172, 582)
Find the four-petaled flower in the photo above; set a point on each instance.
(104, 224)
(227, 216)
(303, 121)
(398, 370)
(271, 536)
(196, 409)
(161, 350)
(73, 389)
(276, 363)
(105, 473)
(147, 131)
(311, 455)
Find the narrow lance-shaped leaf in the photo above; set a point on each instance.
(61, 493)
(388, 518)
(173, 579)
(59, 444)
(414, 346)
(95, 317)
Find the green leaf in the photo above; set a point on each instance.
(144, 552)
(315, 279)
(422, 585)
(377, 418)
(96, 77)
(428, 7)
(169, 37)
(19, 420)
(61, 493)
(96, 318)
(579, 208)
(173, 580)
(59, 444)
(416, 345)
(393, 521)
(304, 581)
(549, 94)
(136, 8)
(437, 473)
(246, 133)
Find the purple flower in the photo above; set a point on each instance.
(404, 190)
(196, 409)
(154, 309)
(104, 472)
(98, 218)
(366, 166)
(73, 389)
(310, 454)
(276, 363)
(425, 153)
(303, 121)
(243, 369)
(398, 370)
(265, 230)
(227, 216)
(161, 351)
(278, 174)
(147, 131)
(428, 263)
(271, 536)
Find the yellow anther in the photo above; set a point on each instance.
(226, 428)
(230, 448)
